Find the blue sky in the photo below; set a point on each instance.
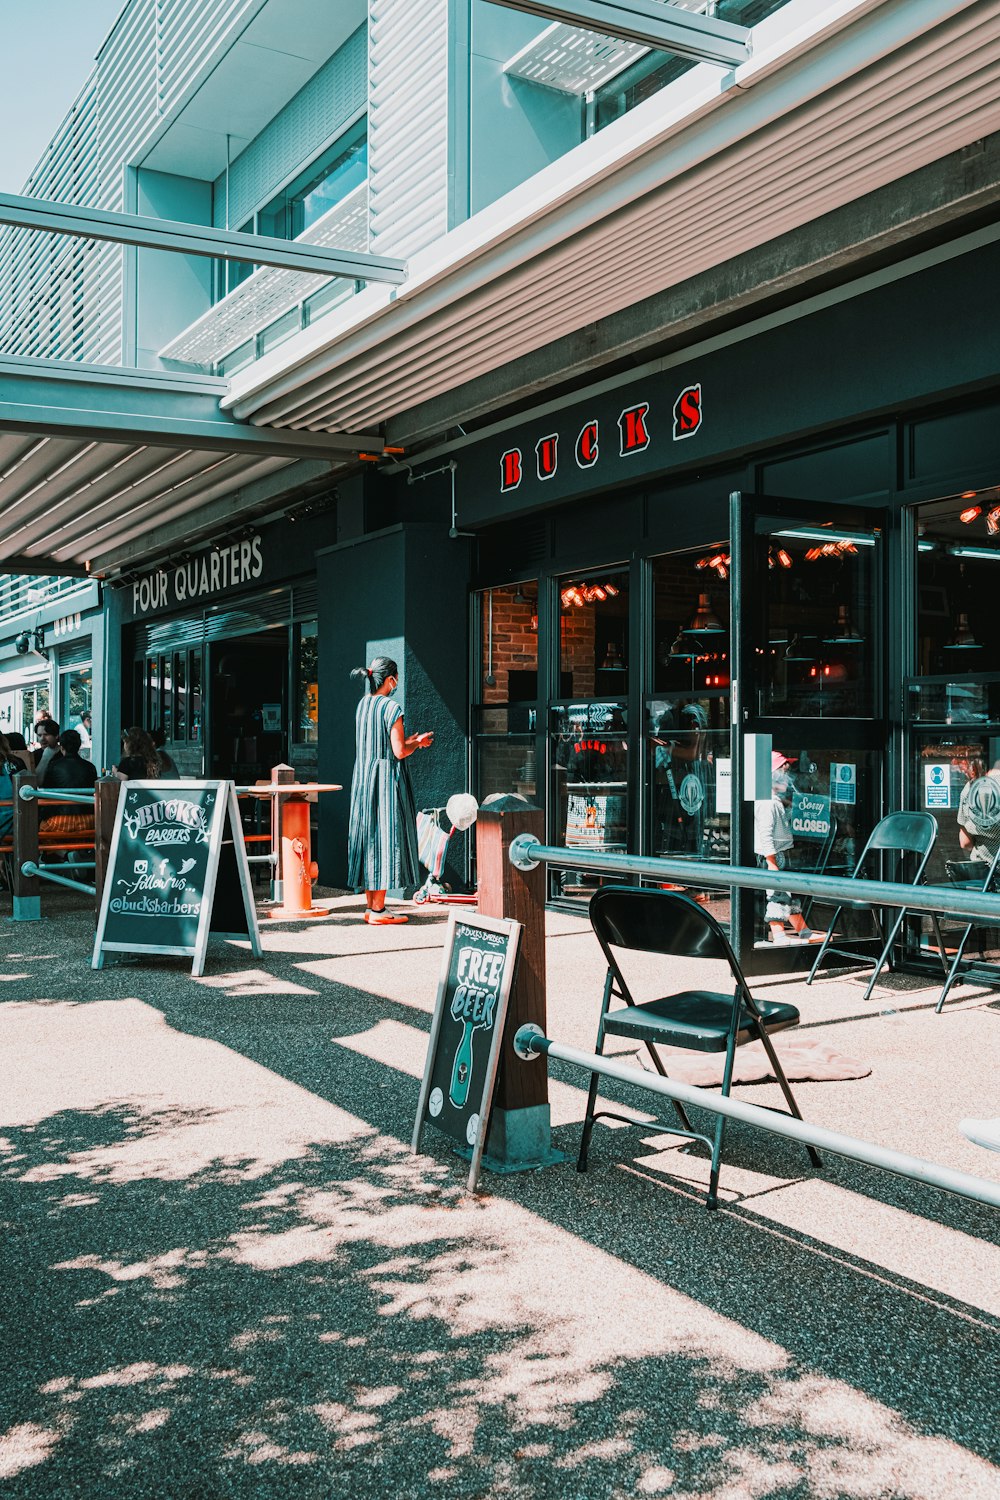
(48, 48)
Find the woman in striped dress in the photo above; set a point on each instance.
(382, 841)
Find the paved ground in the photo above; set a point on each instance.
(224, 1274)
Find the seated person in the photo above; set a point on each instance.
(139, 760)
(68, 771)
(20, 751)
(979, 816)
(10, 766)
(48, 749)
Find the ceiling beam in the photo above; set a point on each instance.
(197, 239)
(651, 23)
(104, 409)
(47, 568)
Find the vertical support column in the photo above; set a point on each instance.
(106, 793)
(27, 891)
(520, 1126)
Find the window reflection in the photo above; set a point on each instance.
(593, 634)
(589, 747)
(814, 636)
(958, 570)
(691, 620)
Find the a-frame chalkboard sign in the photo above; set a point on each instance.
(463, 1054)
(177, 870)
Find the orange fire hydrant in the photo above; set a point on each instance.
(298, 869)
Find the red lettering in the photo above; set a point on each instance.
(632, 424)
(587, 446)
(510, 470)
(687, 412)
(546, 454)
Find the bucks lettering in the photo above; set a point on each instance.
(687, 412)
(639, 427)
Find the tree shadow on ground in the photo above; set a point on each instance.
(345, 1322)
(231, 1334)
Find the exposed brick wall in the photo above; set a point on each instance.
(515, 642)
(577, 631)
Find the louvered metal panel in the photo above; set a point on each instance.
(269, 292)
(574, 61)
(20, 592)
(408, 102)
(331, 99)
(62, 298)
(76, 655)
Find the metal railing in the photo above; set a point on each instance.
(934, 900)
(531, 1042)
(33, 869)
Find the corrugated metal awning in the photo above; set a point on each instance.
(837, 101)
(95, 460)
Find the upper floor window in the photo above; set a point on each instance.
(318, 188)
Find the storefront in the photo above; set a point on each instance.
(220, 648)
(648, 593)
(51, 656)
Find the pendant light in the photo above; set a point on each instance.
(798, 648)
(845, 634)
(705, 621)
(680, 650)
(962, 638)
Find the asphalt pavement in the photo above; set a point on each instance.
(225, 1275)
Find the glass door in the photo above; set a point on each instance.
(809, 673)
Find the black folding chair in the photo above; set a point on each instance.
(968, 875)
(901, 833)
(666, 922)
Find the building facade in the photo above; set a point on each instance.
(691, 380)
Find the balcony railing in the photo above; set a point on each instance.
(272, 304)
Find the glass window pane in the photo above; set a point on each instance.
(589, 750)
(153, 699)
(307, 682)
(593, 635)
(180, 696)
(505, 752)
(281, 329)
(166, 719)
(334, 179)
(815, 630)
(691, 621)
(958, 570)
(830, 801)
(194, 680)
(509, 644)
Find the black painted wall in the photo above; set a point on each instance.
(410, 581)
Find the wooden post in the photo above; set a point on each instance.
(520, 1126)
(106, 794)
(27, 890)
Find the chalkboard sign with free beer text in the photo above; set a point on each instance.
(463, 1054)
(177, 868)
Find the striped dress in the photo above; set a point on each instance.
(382, 840)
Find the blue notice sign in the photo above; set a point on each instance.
(937, 784)
(843, 782)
